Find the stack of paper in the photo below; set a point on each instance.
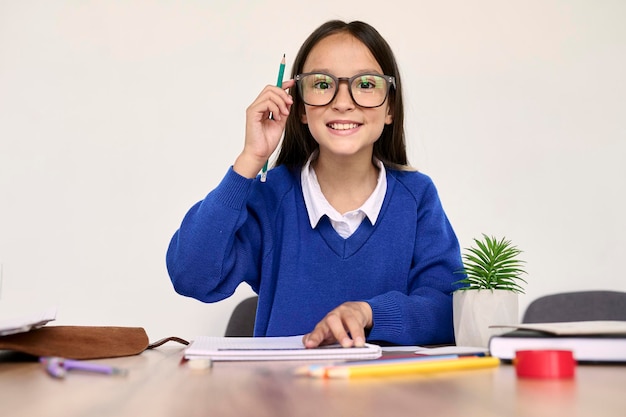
(272, 349)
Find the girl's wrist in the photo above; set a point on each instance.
(247, 166)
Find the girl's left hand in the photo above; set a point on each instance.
(345, 324)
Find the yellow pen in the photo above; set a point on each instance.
(417, 367)
(279, 83)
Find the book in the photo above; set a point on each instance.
(575, 328)
(589, 341)
(272, 349)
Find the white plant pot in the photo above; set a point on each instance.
(475, 310)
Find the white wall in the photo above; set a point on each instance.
(117, 116)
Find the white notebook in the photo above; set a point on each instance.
(272, 349)
(27, 323)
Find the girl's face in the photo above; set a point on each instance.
(342, 128)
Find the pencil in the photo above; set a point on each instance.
(321, 370)
(279, 83)
(417, 367)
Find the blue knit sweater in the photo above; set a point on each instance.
(259, 233)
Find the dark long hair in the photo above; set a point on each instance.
(298, 143)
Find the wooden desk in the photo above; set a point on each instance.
(158, 385)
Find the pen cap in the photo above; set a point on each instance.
(54, 367)
(545, 364)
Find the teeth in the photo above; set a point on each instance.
(343, 126)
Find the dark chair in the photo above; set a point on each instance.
(241, 322)
(577, 306)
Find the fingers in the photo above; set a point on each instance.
(286, 100)
(321, 335)
(329, 330)
(262, 133)
(288, 84)
(272, 100)
(345, 324)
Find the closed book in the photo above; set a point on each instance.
(601, 341)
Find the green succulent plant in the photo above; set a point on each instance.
(492, 264)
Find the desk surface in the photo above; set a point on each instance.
(158, 385)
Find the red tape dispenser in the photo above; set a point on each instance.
(545, 364)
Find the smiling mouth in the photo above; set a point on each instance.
(343, 126)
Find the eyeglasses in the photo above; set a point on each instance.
(366, 90)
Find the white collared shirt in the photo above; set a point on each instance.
(344, 224)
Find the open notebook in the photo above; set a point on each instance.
(272, 349)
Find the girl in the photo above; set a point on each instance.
(343, 242)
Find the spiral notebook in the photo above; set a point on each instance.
(272, 349)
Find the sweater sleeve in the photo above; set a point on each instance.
(207, 258)
(423, 315)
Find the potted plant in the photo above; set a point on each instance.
(493, 280)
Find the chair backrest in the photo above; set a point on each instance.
(241, 322)
(577, 306)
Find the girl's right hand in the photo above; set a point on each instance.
(345, 324)
(262, 132)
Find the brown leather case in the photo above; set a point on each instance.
(78, 342)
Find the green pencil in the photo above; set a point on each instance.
(279, 83)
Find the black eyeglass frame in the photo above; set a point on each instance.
(391, 82)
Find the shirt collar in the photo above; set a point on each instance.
(317, 206)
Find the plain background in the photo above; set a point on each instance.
(117, 116)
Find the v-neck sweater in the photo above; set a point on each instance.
(259, 233)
